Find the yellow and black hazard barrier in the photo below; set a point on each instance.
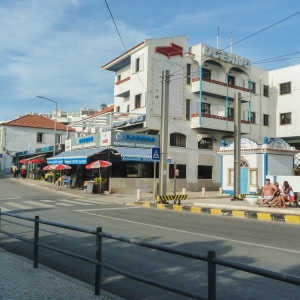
(164, 198)
(243, 196)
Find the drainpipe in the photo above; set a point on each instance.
(249, 103)
(226, 106)
(200, 96)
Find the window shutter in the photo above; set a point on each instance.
(221, 111)
(141, 62)
(245, 115)
(214, 109)
(257, 118)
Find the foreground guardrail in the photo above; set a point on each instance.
(210, 258)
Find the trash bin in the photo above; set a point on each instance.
(89, 187)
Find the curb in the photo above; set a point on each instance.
(263, 216)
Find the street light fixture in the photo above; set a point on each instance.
(42, 97)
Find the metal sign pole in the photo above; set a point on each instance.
(154, 183)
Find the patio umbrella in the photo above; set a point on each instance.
(23, 161)
(97, 165)
(36, 161)
(56, 168)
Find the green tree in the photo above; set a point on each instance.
(103, 106)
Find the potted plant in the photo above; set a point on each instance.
(97, 182)
(253, 198)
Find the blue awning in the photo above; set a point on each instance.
(75, 157)
(136, 154)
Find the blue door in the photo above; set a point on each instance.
(244, 181)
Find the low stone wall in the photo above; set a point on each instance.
(130, 185)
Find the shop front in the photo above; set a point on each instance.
(130, 155)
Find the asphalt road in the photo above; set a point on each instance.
(270, 245)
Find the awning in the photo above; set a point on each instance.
(136, 154)
(76, 157)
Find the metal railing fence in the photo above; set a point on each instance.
(210, 258)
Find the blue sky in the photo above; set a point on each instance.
(56, 48)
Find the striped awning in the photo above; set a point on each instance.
(136, 154)
(75, 157)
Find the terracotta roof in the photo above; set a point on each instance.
(35, 121)
(103, 111)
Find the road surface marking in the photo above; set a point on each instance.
(93, 209)
(198, 234)
(4, 209)
(17, 205)
(76, 202)
(48, 201)
(39, 204)
(64, 204)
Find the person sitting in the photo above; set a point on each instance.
(277, 197)
(59, 180)
(287, 195)
(268, 193)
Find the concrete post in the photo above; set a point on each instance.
(203, 191)
(138, 195)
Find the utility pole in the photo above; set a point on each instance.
(237, 145)
(164, 133)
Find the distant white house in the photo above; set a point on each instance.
(30, 136)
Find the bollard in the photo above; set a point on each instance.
(221, 190)
(183, 191)
(203, 191)
(138, 196)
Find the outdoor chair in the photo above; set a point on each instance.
(67, 181)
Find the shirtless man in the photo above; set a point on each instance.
(268, 193)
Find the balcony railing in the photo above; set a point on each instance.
(122, 81)
(204, 115)
(222, 83)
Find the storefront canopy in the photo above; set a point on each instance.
(76, 157)
(136, 154)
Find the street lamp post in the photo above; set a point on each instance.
(42, 97)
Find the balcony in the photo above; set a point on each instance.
(212, 87)
(218, 123)
(122, 88)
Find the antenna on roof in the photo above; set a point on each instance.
(218, 37)
(230, 42)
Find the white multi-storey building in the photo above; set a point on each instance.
(203, 83)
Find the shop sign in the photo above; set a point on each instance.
(31, 151)
(46, 149)
(227, 57)
(75, 161)
(136, 140)
(83, 142)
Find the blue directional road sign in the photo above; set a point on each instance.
(155, 154)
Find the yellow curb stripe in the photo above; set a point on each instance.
(177, 207)
(215, 211)
(292, 219)
(146, 204)
(264, 216)
(195, 209)
(161, 206)
(238, 213)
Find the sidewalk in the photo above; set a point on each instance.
(19, 280)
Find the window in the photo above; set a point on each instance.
(230, 112)
(253, 87)
(58, 139)
(137, 64)
(128, 108)
(205, 143)
(117, 108)
(206, 73)
(188, 74)
(252, 117)
(138, 101)
(266, 120)
(205, 108)
(230, 177)
(231, 80)
(177, 140)
(285, 88)
(266, 91)
(205, 172)
(187, 109)
(118, 78)
(40, 137)
(286, 119)
(253, 177)
(181, 168)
